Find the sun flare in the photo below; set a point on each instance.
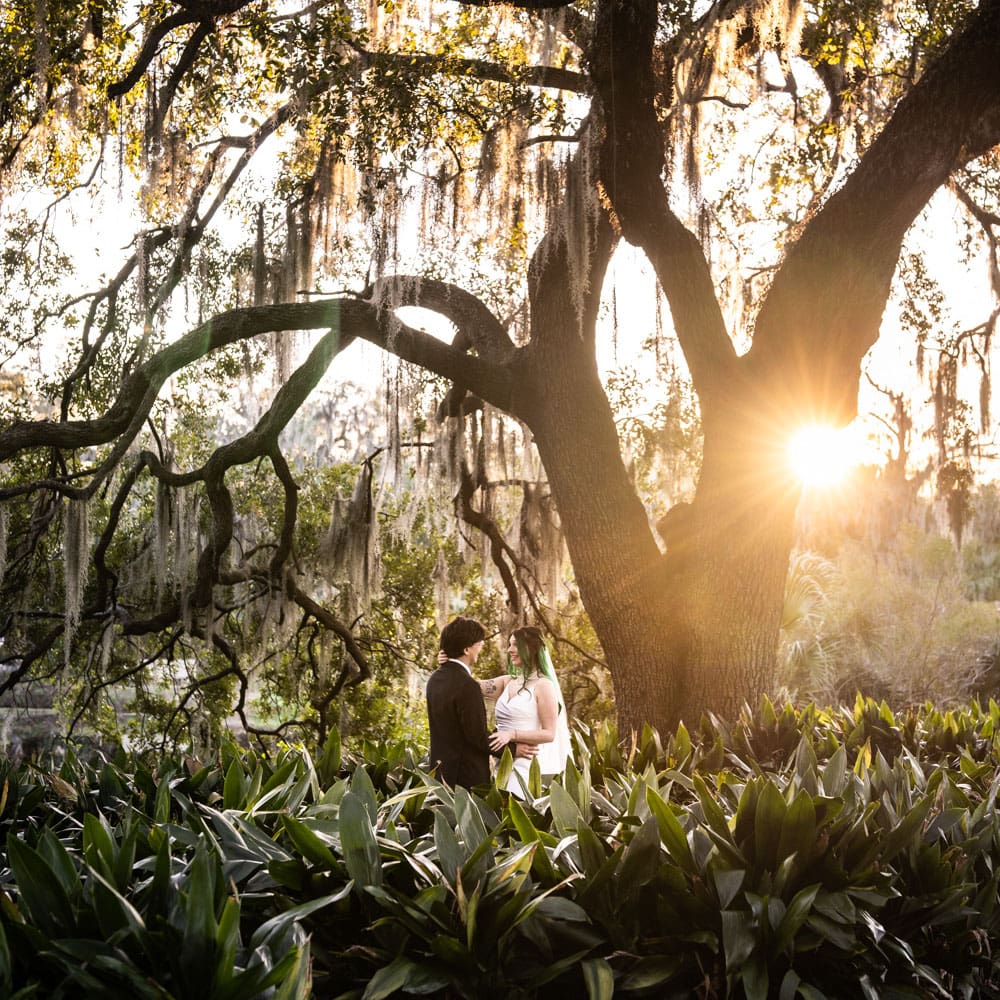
(821, 455)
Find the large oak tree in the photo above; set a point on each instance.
(688, 616)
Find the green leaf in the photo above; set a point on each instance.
(641, 859)
(43, 895)
(51, 848)
(835, 773)
(671, 832)
(114, 912)
(364, 791)
(727, 882)
(234, 787)
(297, 982)
(6, 969)
(403, 973)
(755, 979)
(522, 823)
(599, 978)
(308, 843)
(330, 760)
(738, 938)
(904, 834)
(651, 972)
(161, 807)
(795, 916)
(357, 839)
(449, 851)
(714, 816)
(470, 823)
(592, 849)
(563, 807)
(798, 829)
(504, 768)
(200, 925)
(227, 941)
(277, 926)
(97, 846)
(789, 985)
(768, 821)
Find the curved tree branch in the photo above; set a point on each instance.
(825, 305)
(148, 52)
(632, 156)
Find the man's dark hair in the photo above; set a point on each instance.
(459, 634)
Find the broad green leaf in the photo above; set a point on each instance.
(671, 832)
(756, 981)
(835, 773)
(565, 814)
(714, 816)
(738, 938)
(471, 827)
(227, 941)
(641, 859)
(53, 851)
(727, 882)
(904, 834)
(277, 926)
(652, 972)
(789, 988)
(795, 917)
(6, 969)
(330, 760)
(161, 807)
(200, 925)
(450, 852)
(522, 823)
(364, 791)
(768, 821)
(357, 839)
(114, 912)
(234, 787)
(798, 829)
(45, 898)
(504, 768)
(308, 843)
(599, 978)
(97, 845)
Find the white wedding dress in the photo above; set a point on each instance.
(517, 709)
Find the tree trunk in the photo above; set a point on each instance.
(728, 570)
(696, 630)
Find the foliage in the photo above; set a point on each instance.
(240, 175)
(878, 599)
(793, 852)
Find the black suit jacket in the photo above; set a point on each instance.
(460, 746)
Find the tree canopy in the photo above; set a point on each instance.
(263, 169)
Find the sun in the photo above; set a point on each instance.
(820, 455)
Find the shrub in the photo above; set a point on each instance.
(793, 852)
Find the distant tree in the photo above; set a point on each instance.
(515, 150)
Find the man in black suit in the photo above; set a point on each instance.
(460, 746)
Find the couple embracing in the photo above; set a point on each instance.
(530, 712)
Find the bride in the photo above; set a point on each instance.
(529, 707)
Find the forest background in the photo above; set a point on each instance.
(202, 518)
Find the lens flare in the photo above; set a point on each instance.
(821, 455)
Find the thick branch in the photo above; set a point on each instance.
(148, 52)
(477, 326)
(631, 165)
(550, 77)
(335, 625)
(825, 306)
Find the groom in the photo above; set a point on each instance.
(460, 747)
